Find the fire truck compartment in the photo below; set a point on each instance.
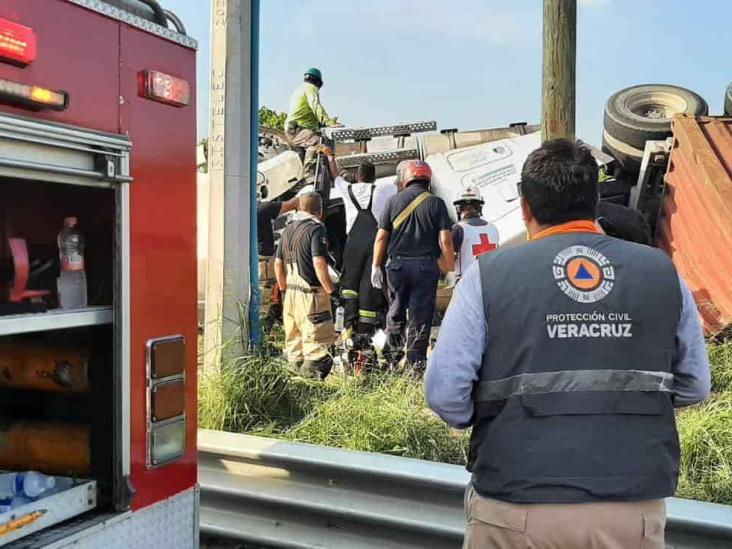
(64, 375)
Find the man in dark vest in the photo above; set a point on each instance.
(414, 231)
(567, 355)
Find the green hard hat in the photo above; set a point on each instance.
(315, 73)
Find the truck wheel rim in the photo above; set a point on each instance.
(656, 105)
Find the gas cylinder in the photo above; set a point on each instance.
(40, 367)
(50, 447)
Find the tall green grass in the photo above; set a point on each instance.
(383, 413)
(705, 432)
(256, 394)
(720, 360)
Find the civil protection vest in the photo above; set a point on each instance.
(574, 401)
(477, 240)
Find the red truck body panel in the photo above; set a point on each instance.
(78, 51)
(695, 228)
(163, 243)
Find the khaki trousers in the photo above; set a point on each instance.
(306, 139)
(494, 524)
(307, 318)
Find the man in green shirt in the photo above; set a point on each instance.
(306, 116)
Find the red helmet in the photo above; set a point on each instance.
(415, 170)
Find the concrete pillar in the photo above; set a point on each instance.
(231, 229)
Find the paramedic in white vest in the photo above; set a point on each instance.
(567, 356)
(472, 236)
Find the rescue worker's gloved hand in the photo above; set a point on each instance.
(326, 150)
(377, 277)
(450, 279)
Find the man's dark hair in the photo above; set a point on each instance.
(311, 203)
(314, 80)
(559, 183)
(366, 172)
(476, 207)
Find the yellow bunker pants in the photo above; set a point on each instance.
(308, 324)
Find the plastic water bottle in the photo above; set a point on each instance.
(340, 316)
(9, 504)
(19, 501)
(30, 484)
(72, 281)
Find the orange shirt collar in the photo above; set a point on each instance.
(581, 226)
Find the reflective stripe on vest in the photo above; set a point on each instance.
(572, 381)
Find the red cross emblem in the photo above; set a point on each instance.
(484, 247)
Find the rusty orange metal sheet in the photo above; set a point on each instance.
(695, 227)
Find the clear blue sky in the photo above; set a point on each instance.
(473, 63)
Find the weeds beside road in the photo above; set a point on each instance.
(386, 413)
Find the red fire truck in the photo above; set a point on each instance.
(98, 123)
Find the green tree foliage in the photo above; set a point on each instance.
(271, 118)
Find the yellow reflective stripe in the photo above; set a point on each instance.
(349, 293)
(367, 314)
(406, 212)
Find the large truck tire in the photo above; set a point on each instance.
(728, 101)
(628, 158)
(644, 113)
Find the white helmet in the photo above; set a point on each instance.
(470, 194)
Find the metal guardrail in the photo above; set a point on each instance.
(298, 496)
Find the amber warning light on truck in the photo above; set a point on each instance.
(164, 88)
(33, 97)
(17, 43)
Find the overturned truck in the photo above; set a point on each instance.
(678, 197)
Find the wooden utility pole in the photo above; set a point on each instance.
(229, 276)
(559, 68)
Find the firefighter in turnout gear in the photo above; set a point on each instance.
(301, 267)
(567, 356)
(364, 305)
(472, 236)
